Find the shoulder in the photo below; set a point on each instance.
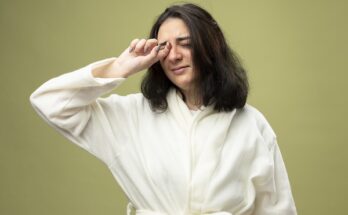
(257, 121)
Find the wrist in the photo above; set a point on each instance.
(112, 70)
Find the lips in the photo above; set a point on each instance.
(179, 69)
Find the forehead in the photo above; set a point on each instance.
(172, 28)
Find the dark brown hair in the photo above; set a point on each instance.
(222, 80)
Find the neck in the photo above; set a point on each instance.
(193, 99)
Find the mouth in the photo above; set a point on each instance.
(178, 70)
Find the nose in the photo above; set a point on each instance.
(174, 54)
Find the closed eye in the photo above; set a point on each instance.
(188, 45)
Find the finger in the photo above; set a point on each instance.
(139, 47)
(150, 43)
(158, 53)
(133, 44)
(161, 46)
(163, 51)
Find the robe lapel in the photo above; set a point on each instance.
(179, 110)
(212, 138)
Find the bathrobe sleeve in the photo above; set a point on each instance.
(270, 180)
(276, 196)
(71, 103)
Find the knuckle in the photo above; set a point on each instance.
(134, 41)
(141, 42)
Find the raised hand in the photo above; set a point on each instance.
(140, 55)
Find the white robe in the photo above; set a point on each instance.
(171, 163)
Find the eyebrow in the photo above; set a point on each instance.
(178, 39)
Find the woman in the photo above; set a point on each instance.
(189, 143)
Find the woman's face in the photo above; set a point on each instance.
(177, 65)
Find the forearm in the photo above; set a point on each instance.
(111, 70)
(64, 100)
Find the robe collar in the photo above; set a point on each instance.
(180, 110)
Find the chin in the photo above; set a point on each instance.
(183, 81)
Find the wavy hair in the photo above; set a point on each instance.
(222, 81)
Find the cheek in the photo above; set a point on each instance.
(165, 70)
(164, 64)
(188, 55)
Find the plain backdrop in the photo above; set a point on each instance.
(295, 53)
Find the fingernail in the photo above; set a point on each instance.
(161, 46)
(131, 49)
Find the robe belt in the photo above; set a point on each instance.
(148, 212)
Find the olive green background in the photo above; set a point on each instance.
(295, 53)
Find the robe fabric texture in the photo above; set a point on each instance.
(175, 162)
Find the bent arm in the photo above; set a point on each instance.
(71, 103)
